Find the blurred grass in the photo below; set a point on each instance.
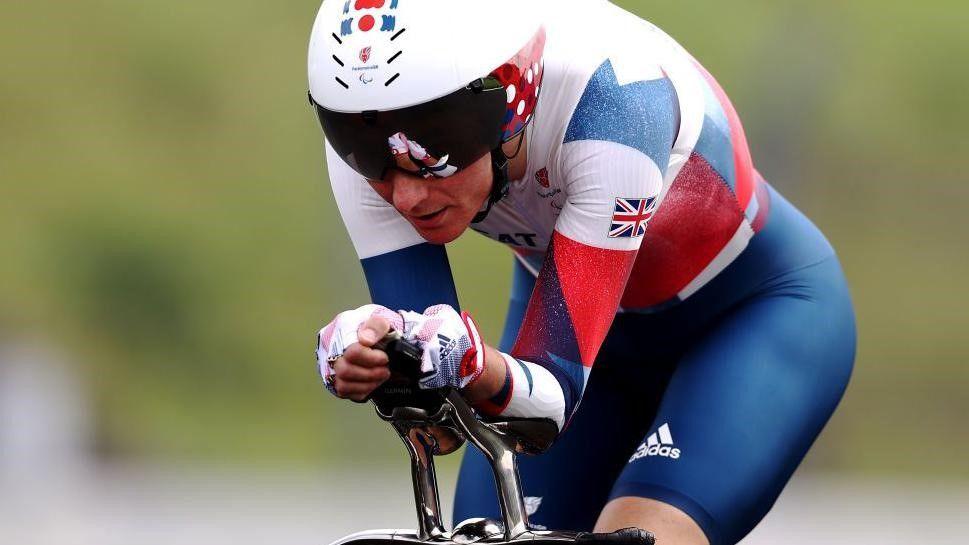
(165, 216)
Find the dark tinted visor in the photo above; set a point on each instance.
(435, 138)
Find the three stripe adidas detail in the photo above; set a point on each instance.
(659, 443)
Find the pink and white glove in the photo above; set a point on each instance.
(339, 334)
(453, 352)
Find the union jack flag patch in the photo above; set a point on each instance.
(631, 216)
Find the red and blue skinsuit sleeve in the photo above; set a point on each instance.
(613, 158)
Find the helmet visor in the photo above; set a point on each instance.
(434, 139)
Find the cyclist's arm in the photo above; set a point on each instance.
(620, 152)
(402, 270)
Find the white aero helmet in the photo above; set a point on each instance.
(426, 86)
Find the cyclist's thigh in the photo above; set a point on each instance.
(746, 402)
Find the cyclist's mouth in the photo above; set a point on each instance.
(428, 221)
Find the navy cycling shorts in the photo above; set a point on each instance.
(709, 405)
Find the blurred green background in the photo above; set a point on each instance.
(166, 221)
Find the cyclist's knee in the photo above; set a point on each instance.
(669, 524)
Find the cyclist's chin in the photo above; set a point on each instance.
(443, 234)
(445, 229)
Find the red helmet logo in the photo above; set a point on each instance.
(365, 55)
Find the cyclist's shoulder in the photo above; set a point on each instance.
(583, 42)
(611, 77)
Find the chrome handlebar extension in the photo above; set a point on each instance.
(438, 422)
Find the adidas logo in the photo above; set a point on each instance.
(658, 444)
(447, 345)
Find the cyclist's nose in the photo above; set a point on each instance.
(409, 193)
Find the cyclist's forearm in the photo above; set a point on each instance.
(491, 381)
(515, 388)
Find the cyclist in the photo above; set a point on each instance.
(702, 321)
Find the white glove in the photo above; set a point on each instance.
(334, 339)
(453, 352)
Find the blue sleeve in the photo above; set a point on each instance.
(412, 278)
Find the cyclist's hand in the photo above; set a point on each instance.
(350, 367)
(453, 351)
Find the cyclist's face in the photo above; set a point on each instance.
(440, 209)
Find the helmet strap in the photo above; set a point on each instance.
(499, 183)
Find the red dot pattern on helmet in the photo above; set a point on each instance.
(366, 22)
(521, 76)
